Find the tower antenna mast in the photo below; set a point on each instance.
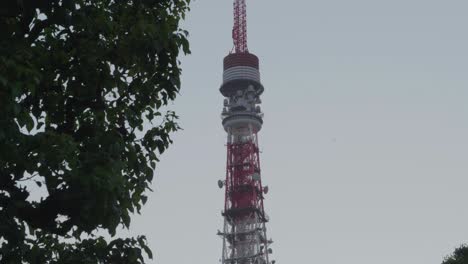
(239, 31)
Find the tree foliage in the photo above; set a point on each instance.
(78, 81)
(460, 256)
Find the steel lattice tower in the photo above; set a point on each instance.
(244, 235)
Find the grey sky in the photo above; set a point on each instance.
(365, 142)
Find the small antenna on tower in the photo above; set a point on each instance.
(220, 184)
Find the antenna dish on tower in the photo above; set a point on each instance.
(256, 177)
(220, 184)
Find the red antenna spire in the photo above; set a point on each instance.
(239, 31)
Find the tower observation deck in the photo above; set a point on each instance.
(244, 233)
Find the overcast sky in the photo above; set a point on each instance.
(365, 142)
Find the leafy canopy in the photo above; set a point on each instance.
(78, 81)
(460, 256)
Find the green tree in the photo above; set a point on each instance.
(460, 256)
(78, 81)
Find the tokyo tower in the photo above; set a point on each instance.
(244, 234)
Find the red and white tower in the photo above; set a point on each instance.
(244, 235)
